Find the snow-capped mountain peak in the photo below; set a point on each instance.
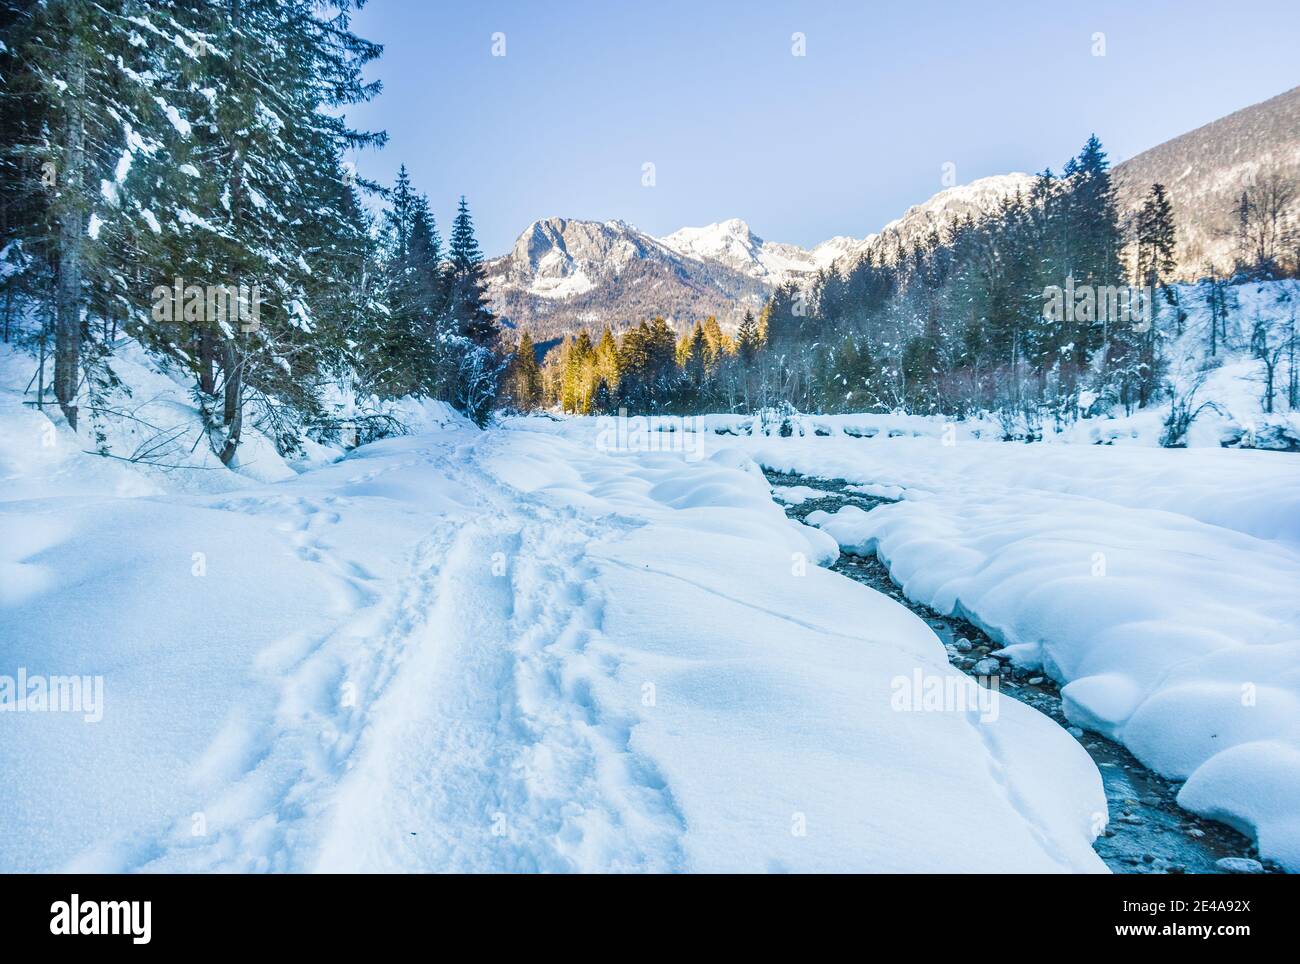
(732, 243)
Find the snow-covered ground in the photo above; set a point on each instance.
(501, 650)
(579, 644)
(1162, 586)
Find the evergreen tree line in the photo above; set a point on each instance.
(646, 369)
(435, 335)
(197, 146)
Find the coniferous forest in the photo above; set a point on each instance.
(146, 181)
(174, 174)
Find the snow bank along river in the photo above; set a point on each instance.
(1148, 831)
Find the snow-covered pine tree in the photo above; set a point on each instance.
(79, 107)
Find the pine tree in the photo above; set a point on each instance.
(78, 106)
(403, 362)
(718, 341)
(697, 358)
(261, 162)
(607, 362)
(1155, 238)
(526, 376)
(466, 282)
(747, 339)
(426, 261)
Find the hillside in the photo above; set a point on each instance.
(1205, 171)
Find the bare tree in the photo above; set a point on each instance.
(1264, 221)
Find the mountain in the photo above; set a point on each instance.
(1205, 170)
(951, 204)
(733, 244)
(564, 273)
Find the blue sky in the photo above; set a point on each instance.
(838, 141)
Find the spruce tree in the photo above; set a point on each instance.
(466, 282)
(747, 339)
(79, 106)
(526, 376)
(1155, 238)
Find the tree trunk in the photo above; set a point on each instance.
(233, 396)
(234, 402)
(207, 355)
(67, 332)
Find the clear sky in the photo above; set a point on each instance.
(838, 141)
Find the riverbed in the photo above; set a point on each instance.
(1147, 831)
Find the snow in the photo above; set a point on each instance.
(1160, 586)
(976, 197)
(494, 650)
(733, 244)
(567, 286)
(527, 648)
(174, 117)
(796, 494)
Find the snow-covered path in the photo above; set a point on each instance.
(504, 650)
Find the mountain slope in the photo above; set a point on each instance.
(563, 274)
(733, 244)
(1205, 171)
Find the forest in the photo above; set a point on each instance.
(199, 146)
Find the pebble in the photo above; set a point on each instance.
(1195, 832)
(1076, 732)
(987, 667)
(963, 644)
(1035, 680)
(1239, 865)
